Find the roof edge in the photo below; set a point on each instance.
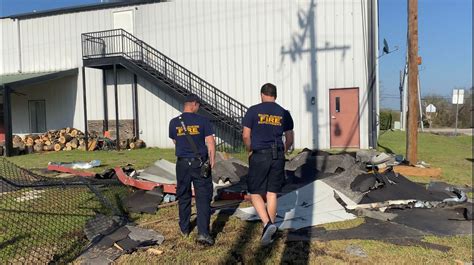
(81, 8)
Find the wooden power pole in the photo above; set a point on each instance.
(413, 108)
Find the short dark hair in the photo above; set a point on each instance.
(192, 98)
(269, 89)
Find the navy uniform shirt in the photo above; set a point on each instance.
(268, 121)
(198, 127)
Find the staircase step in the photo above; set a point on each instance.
(217, 105)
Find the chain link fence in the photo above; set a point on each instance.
(42, 218)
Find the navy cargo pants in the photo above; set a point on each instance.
(188, 172)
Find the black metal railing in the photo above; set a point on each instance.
(119, 42)
(227, 139)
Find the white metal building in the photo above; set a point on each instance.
(321, 55)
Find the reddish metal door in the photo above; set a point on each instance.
(344, 117)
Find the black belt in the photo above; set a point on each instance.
(266, 151)
(191, 159)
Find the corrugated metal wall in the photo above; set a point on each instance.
(9, 60)
(60, 100)
(237, 46)
(304, 47)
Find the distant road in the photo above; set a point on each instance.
(449, 131)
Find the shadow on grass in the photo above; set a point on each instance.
(12, 241)
(470, 159)
(386, 149)
(221, 220)
(74, 250)
(236, 253)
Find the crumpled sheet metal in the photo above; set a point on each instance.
(374, 157)
(310, 205)
(145, 236)
(225, 168)
(230, 169)
(162, 171)
(129, 237)
(77, 165)
(325, 163)
(341, 182)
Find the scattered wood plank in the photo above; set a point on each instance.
(92, 145)
(417, 171)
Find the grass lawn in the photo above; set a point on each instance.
(237, 241)
(454, 155)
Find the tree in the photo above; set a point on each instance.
(445, 115)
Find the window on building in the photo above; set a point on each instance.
(338, 104)
(37, 112)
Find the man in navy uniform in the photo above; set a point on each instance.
(264, 125)
(188, 167)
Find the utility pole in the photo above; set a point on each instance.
(413, 108)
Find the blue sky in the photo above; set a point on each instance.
(445, 42)
(445, 45)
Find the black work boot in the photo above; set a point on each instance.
(205, 240)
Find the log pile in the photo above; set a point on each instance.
(67, 139)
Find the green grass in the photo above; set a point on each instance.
(140, 159)
(42, 223)
(237, 241)
(452, 154)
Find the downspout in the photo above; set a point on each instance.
(377, 95)
(18, 31)
(7, 121)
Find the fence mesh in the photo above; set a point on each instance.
(42, 218)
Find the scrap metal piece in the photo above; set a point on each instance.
(146, 237)
(162, 171)
(310, 205)
(371, 229)
(231, 169)
(102, 225)
(447, 221)
(77, 165)
(142, 201)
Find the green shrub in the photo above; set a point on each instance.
(386, 120)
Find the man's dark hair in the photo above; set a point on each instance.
(192, 98)
(269, 90)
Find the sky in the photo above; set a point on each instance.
(445, 42)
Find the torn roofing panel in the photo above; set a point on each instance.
(310, 205)
(161, 171)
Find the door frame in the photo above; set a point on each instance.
(330, 119)
(132, 10)
(44, 112)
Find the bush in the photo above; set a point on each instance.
(386, 120)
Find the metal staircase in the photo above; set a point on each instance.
(120, 47)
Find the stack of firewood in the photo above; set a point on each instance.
(65, 140)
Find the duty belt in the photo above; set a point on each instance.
(266, 151)
(191, 159)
